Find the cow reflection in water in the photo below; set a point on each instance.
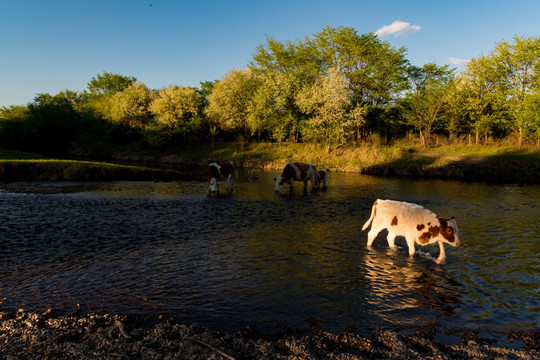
(403, 290)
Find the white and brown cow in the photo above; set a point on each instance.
(414, 222)
(221, 170)
(297, 172)
(322, 178)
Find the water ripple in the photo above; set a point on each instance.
(256, 256)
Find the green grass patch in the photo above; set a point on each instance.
(72, 170)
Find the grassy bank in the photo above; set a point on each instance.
(500, 163)
(493, 163)
(20, 166)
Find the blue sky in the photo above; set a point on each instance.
(50, 46)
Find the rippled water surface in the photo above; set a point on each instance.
(257, 256)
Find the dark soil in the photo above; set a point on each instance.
(26, 335)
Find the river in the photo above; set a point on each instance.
(260, 257)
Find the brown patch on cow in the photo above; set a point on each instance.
(394, 221)
(424, 238)
(419, 227)
(375, 208)
(434, 230)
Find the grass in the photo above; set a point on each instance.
(495, 162)
(21, 166)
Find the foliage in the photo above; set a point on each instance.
(174, 105)
(327, 102)
(334, 88)
(129, 107)
(230, 99)
(109, 84)
(425, 104)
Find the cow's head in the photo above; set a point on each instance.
(279, 182)
(214, 186)
(450, 231)
(446, 231)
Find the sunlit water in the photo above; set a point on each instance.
(256, 257)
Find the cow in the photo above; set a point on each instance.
(297, 172)
(322, 178)
(414, 222)
(221, 170)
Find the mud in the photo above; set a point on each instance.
(30, 335)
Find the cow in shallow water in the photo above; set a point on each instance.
(322, 178)
(221, 170)
(414, 222)
(297, 172)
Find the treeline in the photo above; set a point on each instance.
(335, 87)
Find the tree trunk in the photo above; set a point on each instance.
(520, 139)
(477, 137)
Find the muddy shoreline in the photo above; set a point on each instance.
(30, 335)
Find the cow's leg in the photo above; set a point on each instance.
(390, 238)
(291, 182)
(229, 182)
(442, 255)
(372, 234)
(410, 244)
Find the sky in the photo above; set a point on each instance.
(53, 45)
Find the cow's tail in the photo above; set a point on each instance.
(373, 212)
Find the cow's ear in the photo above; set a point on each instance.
(275, 179)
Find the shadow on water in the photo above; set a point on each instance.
(257, 256)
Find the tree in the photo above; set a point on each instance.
(129, 107)
(174, 105)
(109, 84)
(12, 120)
(532, 114)
(230, 99)
(477, 98)
(375, 71)
(327, 102)
(423, 105)
(52, 125)
(517, 66)
(285, 68)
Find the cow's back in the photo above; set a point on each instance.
(401, 215)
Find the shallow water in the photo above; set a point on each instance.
(257, 257)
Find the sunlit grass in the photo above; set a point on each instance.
(18, 166)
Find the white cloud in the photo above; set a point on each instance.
(457, 61)
(397, 28)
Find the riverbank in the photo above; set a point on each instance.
(28, 335)
(502, 164)
(12, 170)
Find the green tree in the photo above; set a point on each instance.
(285, 68)
(12, 120)
(129, 107)
(230, 99)
(327, 103)
(52, 126)
(375, 71)
(517, 66)
(109, 84)
(424, 104)
(532, 114)
(175, 105)
(477, 97)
